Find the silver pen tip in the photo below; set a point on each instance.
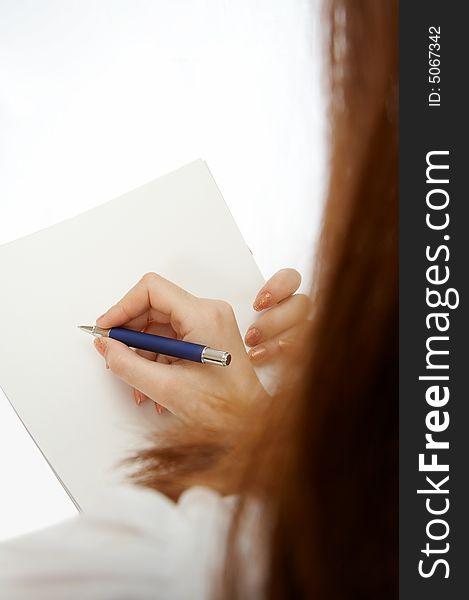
(94, 330)
(86, 328)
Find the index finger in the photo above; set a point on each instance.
(152, 296)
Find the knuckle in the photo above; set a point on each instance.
(304, 302)
(223, 305)
(149, 277)
(220, 310)
(184, 293)
(224, 308)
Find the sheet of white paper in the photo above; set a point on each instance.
(79, 414)
(31, 497)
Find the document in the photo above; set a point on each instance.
(82, 418)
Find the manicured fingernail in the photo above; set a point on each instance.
(253, 336)
(100, 346)
(158, 408)
(263, 301)
(257, 354)
(138, 397)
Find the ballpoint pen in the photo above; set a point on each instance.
(162, 345)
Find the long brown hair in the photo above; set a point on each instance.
(323, 458)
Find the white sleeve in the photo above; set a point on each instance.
(140, 545)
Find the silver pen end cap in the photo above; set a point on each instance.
(216, 357)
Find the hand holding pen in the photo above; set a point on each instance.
(189, 390)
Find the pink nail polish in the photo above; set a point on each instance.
(253, 336)
(100, 345)
(257, 354)
(263, 301)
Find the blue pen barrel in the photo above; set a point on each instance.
(157, 343)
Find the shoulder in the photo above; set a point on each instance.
(136, 545)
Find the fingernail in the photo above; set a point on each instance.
(159, 408)
(263, 301)
(100, 346)
(138, 397)
(257, 354)
(285, 343)
(253, 336)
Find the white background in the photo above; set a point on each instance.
(98, 97)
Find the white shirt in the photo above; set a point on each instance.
(139, 545)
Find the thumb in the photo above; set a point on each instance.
(152, 378)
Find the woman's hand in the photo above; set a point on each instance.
(190, 390)
(281, 326)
